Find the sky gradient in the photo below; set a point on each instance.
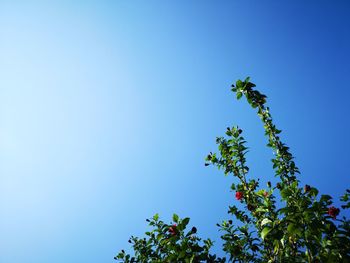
(108, 109)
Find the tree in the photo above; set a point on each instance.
(282, 222)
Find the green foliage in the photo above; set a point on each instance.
(284, 222)
(169, 243)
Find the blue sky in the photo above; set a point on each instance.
(108, 108)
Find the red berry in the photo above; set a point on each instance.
(172, 230)
(333, 212)
(239, 195)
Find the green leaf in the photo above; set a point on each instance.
(156, 217)
(293, 229)
(265, 231)
(285, 193)
(175, 218)
(265, 221)
(185, 222)
(276, 244)
(325, 198)
(313, 191)
(260, 192)
(260, 209)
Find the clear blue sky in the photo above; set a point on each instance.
(108, 108)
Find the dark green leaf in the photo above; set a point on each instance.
(175, 218)
(265, 231)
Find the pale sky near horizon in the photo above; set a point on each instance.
(108, 109)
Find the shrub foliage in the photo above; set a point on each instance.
(282, 222)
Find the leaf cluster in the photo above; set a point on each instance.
(169, 243)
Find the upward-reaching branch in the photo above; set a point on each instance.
(283, 162)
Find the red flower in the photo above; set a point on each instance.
(239, 195)
(172, 230)
(333, 212)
